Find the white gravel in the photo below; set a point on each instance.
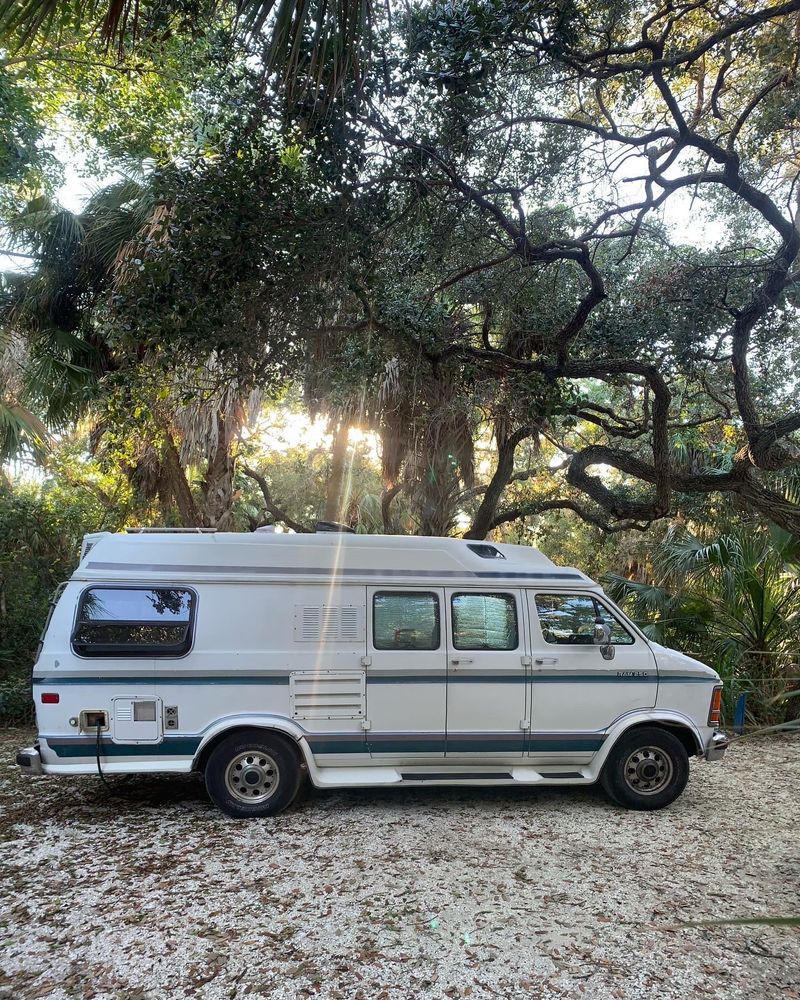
(381, 894)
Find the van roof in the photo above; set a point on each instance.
(186, 556)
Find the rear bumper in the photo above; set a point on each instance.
(30, 761)
(716, 747)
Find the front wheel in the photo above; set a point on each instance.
(253, 773)
(647, 769)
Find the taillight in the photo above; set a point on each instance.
(716, 706)
(49, 698)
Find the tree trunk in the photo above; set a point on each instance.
(217, 487)
(333, 495)
(484, 516)
(178, 485)
(436, 495)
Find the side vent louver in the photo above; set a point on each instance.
(329, 623)
(327, 694)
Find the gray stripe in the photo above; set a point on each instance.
(187, 568)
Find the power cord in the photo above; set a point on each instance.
(111, 790)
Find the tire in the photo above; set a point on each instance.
(647, 769)
(253, 773)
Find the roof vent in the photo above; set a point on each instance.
(486, 551)
(334, 526)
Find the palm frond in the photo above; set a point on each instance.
(318, 48)
(20, 431)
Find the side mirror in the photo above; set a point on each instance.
(602, 634)
(602, 638)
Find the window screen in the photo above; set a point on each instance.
(569, 620)
(117, 621)
(407, 620)
(484, 621)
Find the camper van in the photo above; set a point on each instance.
(264, 660)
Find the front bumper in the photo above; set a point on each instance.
(716, 747)
(30, 761)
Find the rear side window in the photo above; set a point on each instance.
(484, 621)
(136, 621)
(407, 620)
(569, 620)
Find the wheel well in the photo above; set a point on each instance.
(201, 759)
(683, 733)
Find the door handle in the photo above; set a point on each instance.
(541, 660)
(460, 662)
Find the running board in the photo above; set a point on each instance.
(371, 776)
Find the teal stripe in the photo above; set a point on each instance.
(161, 679)
(592, 679)
(559, 745)
(487, 678)
(185, 746)
(686, 679)
(323, 745)
(516, 678)
(439, 743)
(406, 678)
(179, 746)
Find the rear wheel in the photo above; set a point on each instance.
(253, 773)
(647, 769)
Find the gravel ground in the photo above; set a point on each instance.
(381, 894)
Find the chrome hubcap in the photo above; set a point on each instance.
(648, 770)
(252, 776)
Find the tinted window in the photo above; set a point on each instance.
(134, 622)
(484, 621)
(405, 620)
(569, 620)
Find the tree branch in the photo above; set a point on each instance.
(272, 508)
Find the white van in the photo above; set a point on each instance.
(260, 659)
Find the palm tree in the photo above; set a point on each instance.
(737, 598)
(21, 430)
(59, 359)
(319, 48)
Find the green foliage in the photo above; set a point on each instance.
(24, 161)
(42, 523)
(734, 599)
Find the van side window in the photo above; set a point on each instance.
(405, 620)
(484, 621)
(569, 620)
(135, 621)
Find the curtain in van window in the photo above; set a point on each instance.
(484, 621)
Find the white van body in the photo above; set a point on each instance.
(385, 660)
